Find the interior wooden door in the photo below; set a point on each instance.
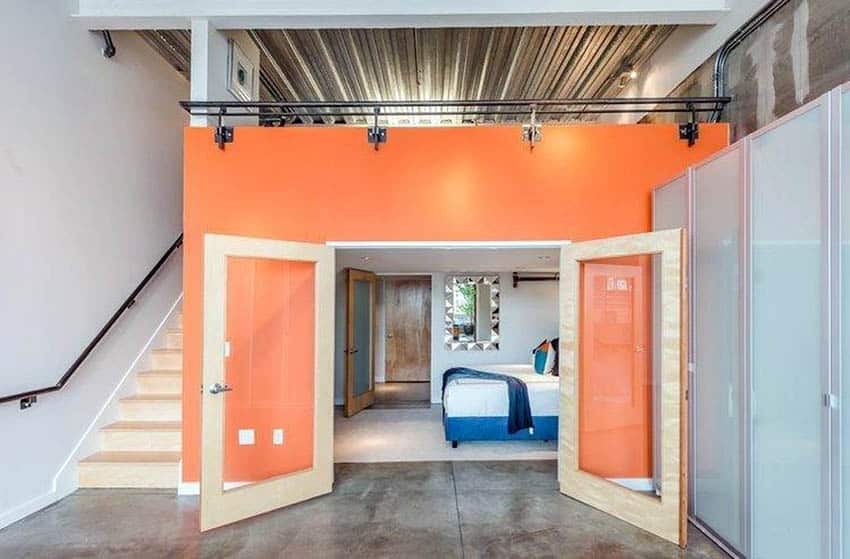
(407, 308)
(267, 376)
(607, 390)
(360, 341)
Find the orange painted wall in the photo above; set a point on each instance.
(476, 183)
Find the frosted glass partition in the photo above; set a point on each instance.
(844, 198)
(717, 402)
(787, 187)
(670, 204)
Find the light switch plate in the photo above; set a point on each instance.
(246, 436)
(277, 436)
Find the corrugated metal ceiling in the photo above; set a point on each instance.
(439, 64)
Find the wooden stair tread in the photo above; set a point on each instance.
(144, 426)
(135, 457)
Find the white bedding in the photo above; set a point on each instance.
(470, 397)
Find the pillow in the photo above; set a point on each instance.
(540, 356)
(556, 352)
(551, 357)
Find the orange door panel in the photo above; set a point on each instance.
(269, 328)
(615, 387)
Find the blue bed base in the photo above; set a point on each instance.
(496, 429)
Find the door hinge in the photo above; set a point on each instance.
(227, 348)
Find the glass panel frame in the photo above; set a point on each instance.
(666, 516)
(217, 506)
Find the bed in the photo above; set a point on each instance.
(477, 409)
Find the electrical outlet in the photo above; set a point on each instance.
(246, 437)
(277, 436)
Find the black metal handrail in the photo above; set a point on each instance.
(25, 397)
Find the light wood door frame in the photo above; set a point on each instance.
(427, 282)
(356, 403)
(219, 507)
(665, 516)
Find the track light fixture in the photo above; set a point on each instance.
(531, 133)
(376, 135)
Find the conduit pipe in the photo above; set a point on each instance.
(732, 43)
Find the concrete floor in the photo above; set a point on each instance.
(426, 509)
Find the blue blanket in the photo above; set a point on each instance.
(519, 408)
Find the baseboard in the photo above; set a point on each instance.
(634, 483)
(25, 509)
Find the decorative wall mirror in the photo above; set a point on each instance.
(472, 312)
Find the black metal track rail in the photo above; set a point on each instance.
(534, 276)
(464, 107)
(27, 397)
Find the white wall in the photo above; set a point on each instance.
(528, 314)
(91, 169)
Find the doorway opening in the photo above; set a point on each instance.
(436, 308)
(404, 321)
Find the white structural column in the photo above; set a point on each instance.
(209, 73)
(289, 14)
(209, 66)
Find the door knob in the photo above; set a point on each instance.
(218, 387)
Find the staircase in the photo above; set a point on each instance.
(143, 448)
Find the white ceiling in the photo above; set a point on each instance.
(289, 14)
(425, 260)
